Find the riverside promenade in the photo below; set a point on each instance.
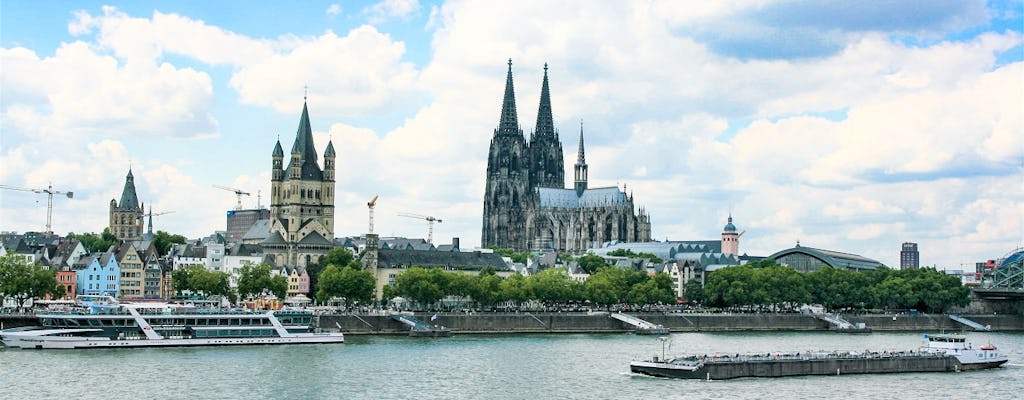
(595, 322)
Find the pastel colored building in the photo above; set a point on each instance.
(98, 274)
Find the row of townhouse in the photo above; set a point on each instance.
(129, 270)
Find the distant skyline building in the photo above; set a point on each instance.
(240, 221)
(909, 256)
(126, 216)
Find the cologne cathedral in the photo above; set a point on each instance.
(526, 204)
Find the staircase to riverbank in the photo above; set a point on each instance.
(974, 325)
(841, 325)
(642, 327)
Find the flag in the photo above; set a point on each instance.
(434, 317)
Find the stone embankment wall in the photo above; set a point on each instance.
(676, 322)
(600, 322)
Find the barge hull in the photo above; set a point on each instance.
(839, 366)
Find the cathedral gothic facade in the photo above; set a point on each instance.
(526, 204)
(301, 202)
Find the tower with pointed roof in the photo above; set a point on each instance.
(126, 216)
(526, 204)
(546, 162)
(506, 197)
(301, 201)
(580, 183)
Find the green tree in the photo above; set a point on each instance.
(338, 257)
(488, 289)
(629, 253)
(198, 280)
(352, 284)
(655, 289)
(552, 285)
(163, 241)
(694, 291)
(610, 285)
(254, 278)
(591, 263)
(514, 289)
(21, 281)
(94, 243)
(44, 282)
(518, 257)
(420, 285)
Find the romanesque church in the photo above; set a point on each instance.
(301, 202)
(526, 204)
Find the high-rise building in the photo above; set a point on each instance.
(126, 216)
(909, 257)
(301, 201)
(526, 204)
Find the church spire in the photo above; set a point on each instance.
(581, 167)
(581, 159)
(304, 146)
(545, 121)
(129, 198)
(509, 124)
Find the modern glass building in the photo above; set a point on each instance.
(807, 259)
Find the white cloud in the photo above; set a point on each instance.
(357, 74)
(391, 9)
(87, 93)
(333, 9)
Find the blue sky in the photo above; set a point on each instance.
(850, 126)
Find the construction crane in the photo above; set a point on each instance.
(151, 214)
(238, 192)
(430, 223)
(370, 205)
(49, 201)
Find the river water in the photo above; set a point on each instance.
(562, 366)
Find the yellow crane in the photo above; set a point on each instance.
(430, 223)
(238, 192)
(49, 201)
(370, 205)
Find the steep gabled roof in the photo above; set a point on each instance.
(129, 199)
(304, 147)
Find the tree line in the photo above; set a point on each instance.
(765, 283)
(551, 287)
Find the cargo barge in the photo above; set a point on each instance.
(944, 353)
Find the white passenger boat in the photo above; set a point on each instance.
(103, 323)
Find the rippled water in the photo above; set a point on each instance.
(580, 366)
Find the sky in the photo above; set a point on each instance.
(848, 126)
